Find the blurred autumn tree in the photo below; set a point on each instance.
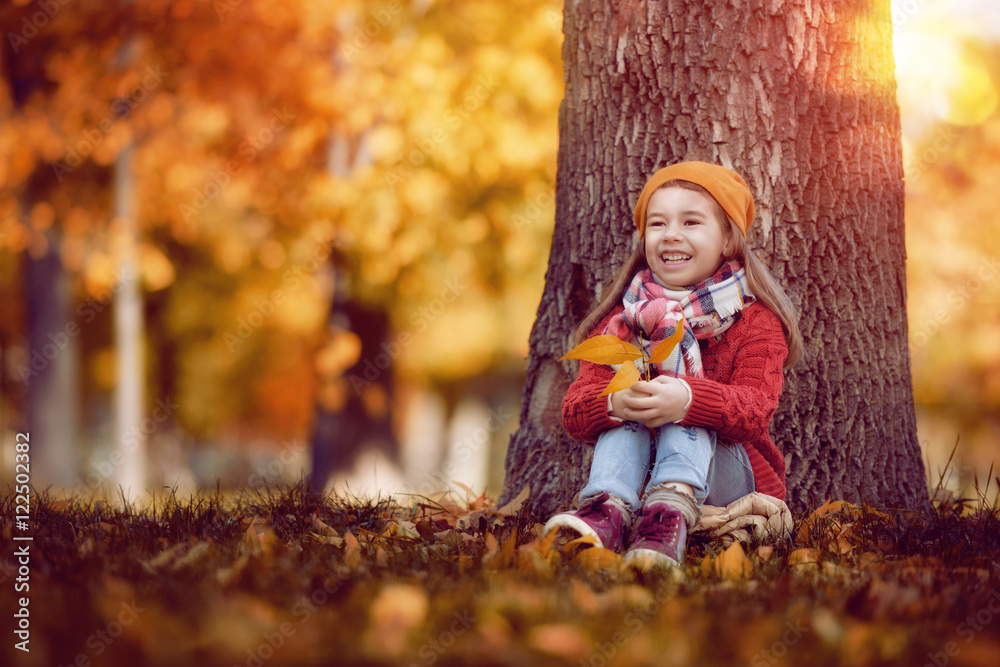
(951, 81)
(416, 140)
(800, 100)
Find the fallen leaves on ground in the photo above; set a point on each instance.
(293, 579)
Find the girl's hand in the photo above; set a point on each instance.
(661, 401)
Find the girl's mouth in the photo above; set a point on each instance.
(674, 258)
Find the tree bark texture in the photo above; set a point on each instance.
(798, 96)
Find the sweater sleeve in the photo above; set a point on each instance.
(741, 409)
(585, 411)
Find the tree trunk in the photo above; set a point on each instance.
(360, 414)
(130, 363)
(52, 369)
(799, 98)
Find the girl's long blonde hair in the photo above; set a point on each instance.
(760, 280)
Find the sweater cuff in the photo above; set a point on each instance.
(687, 406)
(594, 413)
(707, 406)
(611, 416)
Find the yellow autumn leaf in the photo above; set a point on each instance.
(581, 543)
(604, 350)
(626, 376)
(505, 557)
(667, 345)
(259, 538)
(352, 551)
(733, 563)
(583, 540)
(803, 556)
(544, 546)
(597, 558)
(322, 526)
(530, 561)
(705, 567)
(829, 507)
(492, 548)
(328, 539)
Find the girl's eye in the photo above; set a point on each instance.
(692, 222)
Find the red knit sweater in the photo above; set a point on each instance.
(736, 398)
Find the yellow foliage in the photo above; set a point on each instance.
(597, 558)
(42, 216)
(459, 102)
(100, 274)
(604, 350)
(667, 345)
(626, 376)
(157, 271)
(733, 563)
(800, 556)
(340, 353)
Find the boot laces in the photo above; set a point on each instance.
(660, 523)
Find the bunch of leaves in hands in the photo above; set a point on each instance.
(613, 350)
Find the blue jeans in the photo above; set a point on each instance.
(718, 475)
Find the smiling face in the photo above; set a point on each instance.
(685, 237)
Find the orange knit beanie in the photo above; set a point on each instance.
(728, 188)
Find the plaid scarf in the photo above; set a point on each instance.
(654, 312)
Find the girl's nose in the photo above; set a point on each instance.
(672, 232)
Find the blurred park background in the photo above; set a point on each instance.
(244, 240)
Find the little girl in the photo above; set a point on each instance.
(704, 417)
